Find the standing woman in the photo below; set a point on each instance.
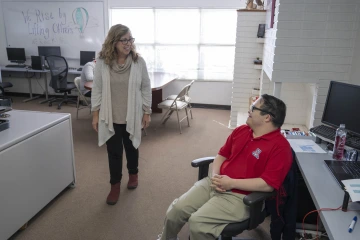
(121, 104)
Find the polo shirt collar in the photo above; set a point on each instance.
(268, 136)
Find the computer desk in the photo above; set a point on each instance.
(29, 70)
(327, 193)
(42, 72)
(158, 81)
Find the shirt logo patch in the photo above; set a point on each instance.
(256, 153)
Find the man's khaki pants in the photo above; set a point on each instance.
(206, 210)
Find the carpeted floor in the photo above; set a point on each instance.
(165, 173)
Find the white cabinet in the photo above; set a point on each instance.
(36, 164)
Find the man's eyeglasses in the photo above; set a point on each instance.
(126, 41)
(252, 108)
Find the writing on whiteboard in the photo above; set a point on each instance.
(48, 26)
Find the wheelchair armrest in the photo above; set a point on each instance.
(203, 164)
(256, 197)
(202, 161)
(255, 201)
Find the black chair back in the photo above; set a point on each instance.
(2, 91)
(59, 71)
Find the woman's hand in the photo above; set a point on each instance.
(95, 121)
(146, 120)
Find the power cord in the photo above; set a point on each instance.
(309, 236)
(36, 78)
(29, 76)
(317, 220)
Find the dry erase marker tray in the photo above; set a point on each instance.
(4, 124)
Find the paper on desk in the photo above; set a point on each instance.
(305, 146)
(352, 186)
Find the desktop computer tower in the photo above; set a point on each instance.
(37, 62)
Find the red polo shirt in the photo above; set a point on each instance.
(268, 157)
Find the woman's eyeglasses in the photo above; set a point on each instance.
(126, 41)
(252, 108)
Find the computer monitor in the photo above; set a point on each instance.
(341, 107)
(16, 55)
(86, 56)
(49, 50)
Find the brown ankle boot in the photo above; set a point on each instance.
(113, 196)
(133, 181)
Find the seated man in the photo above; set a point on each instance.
(87, 75)
(255, 157)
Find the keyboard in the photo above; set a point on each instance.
(329, 133)
(324, 131)
(352, 168)
(79, 69)
(15, 66)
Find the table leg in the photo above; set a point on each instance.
(156, 99)
(30, 91)
(46, 90)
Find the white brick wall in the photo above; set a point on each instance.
(247, 50)
(312, 41)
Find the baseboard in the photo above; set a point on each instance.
(194, 105)
(210, 106)
(16, 94)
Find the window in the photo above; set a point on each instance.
(193, 43)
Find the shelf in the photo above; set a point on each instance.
(251, 10)
(258, 66)
(260, 40)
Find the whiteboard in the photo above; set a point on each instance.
(74, 26)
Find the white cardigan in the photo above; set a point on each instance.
(139, 94)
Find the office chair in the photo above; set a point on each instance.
(2, 91)
(175, 105)
(4, 85)
(59, 71)
(186, 98)
(255, 201)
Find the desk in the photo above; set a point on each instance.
(74, 72)
(158, 82)
(36, 164)
(326, 193)
(28, 70)
(44, 72)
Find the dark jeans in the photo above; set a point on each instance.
(115, 153)
(88, 94)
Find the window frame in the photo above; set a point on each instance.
(200, 68)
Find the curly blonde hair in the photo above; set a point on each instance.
(108, 51)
